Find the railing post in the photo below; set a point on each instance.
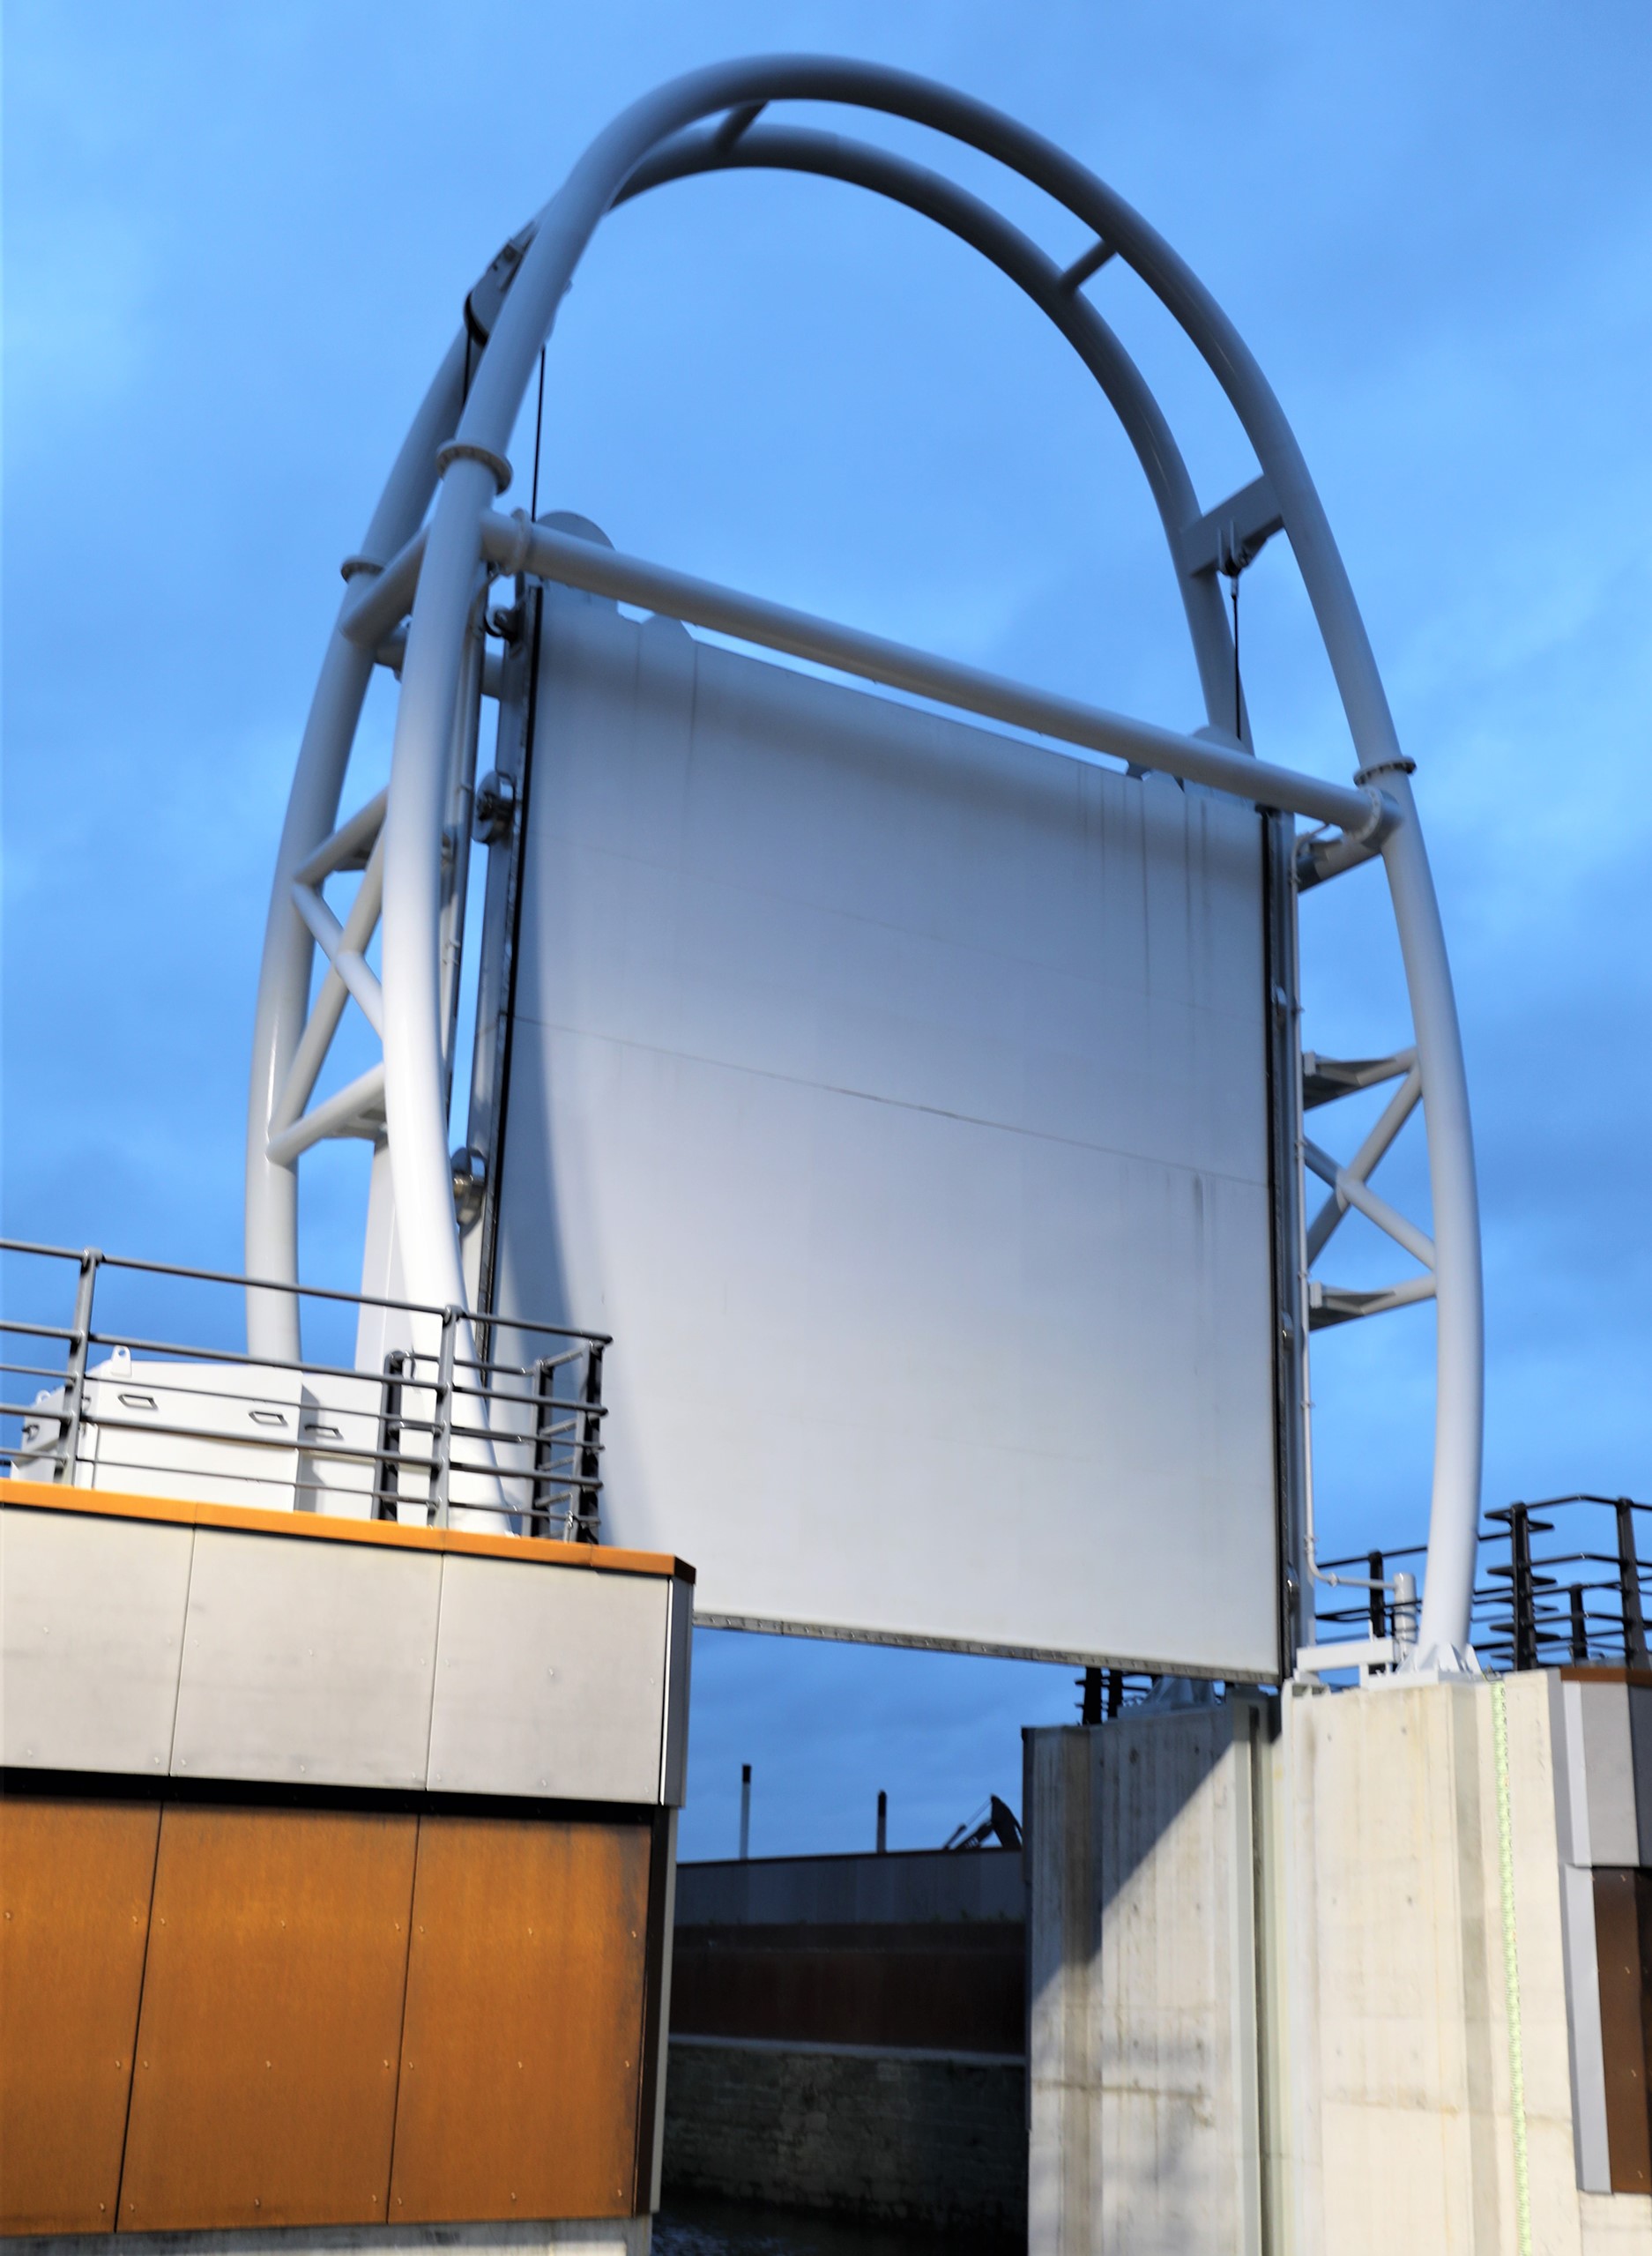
(441, 1423)
(590, 1448)
(1579, 1623)
(75, 1374)
(1378, 1610)
(1634, 1651)
(1520, 1570)
(544, 1477)
(387, 1486)
(1402, 1614)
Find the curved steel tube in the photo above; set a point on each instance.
(312, 810)
(412, 1064)
(829, 156)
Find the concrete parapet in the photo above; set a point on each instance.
(1308, 1975)
(1141, 2049)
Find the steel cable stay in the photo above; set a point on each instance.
(431, 574)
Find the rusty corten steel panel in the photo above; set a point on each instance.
(954, 1986)
(266, 2086)
(75, 1878)
(1623, 1953)
(522, 2050)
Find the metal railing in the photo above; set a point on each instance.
(416, 1414)
(1584, 1597)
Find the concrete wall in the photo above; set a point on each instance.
(934, 2138)
(1141, 2051)
(920, 1884)
(1277, 1993)
(1410, 1994)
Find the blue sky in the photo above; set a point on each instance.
(236, 240)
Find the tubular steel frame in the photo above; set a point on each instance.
(410, 842)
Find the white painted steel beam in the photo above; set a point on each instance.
(1230, 536)
(349, 962)
(515, 545)
(1393, 1118)
(272, 1215)
(356, 1110)
(328, 1007)
(1351, 1189)
(348, 846)
(1341, 1304)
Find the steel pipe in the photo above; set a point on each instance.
(519, 545)
(343, 1114)
(1052, 290)
(312, 812)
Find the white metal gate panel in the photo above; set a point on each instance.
(895, 1092)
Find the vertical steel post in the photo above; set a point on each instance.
(441, 1422)
(1521, 1588)
(1090, 1700)
(387, 1486)
(1378, 1610)
(543, 1484)
(1580, 1624)
(745, 1811)
(1403, 1615)
(1635, 1650)
(272, 1240)
(590, 1450)
(1454, 1521)
(75, 1373)
(883, 1823)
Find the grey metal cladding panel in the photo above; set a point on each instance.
(1582, 2014)
(1600, 1758)
(92, 1612)
(1571, 1819)
(548, 1682)
(307, 1661)
(673, 1767)
(1640, 1749)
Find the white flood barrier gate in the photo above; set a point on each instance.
(922, 1110)
(896, 1093)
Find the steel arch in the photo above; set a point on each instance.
(531, 282)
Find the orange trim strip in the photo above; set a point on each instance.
(1604, 1673)
(96, 1503)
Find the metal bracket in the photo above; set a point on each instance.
(1363, 1653)
(1234, 534)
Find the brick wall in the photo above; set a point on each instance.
(934, 2138)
